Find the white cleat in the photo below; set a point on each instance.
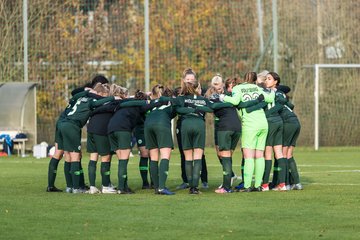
(108, 190)
(93, 190)
(297, 186)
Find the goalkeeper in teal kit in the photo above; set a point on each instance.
(254, 127)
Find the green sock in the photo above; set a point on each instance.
(220, 159)
(67, 172)
(92, 172)
(266, 177)
(75, 174)
(82, 178)
(259, 171)
(295, 178)
(287, 172)
(281, 170)
(163, 172)
(53, 165)
(143, 167)
(105, 173)
(248, 172)
(154, 173)
(227, 170)
(196, 172)
(189, 169)
(122, 173)
(275, 180)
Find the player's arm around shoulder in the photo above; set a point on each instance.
(236, 97)
(269, 95)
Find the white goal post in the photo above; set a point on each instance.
(316, 94)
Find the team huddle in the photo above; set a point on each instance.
(257, 111)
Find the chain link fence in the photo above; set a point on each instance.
(72, 40)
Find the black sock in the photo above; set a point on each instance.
(92, 172)
(105, 173)
(67, 172)
(163, 172)
(122, 173)
(227, 170)
(75, 174)
(197, 172)
(154, 172)
(189, 169)
(295, 178)
(53, 165)
(268, 165)
(143, 167)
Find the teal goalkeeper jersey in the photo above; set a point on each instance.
(246, 92)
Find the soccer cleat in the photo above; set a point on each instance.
(240, 186)
(288, 187)
(182, 186)
(297, 186)
(220, 186)
(256, 189)
(265, 187)
(165, 191)
(68, 190)
(108, 190)
(281, 187)
(223, 190)
(129, 190)
(194, 190)
(93, 190)
(145, 186)
(77, 191)
(249, 189)
(53, 189)
(204, 185)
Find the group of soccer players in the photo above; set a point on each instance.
(257, 111)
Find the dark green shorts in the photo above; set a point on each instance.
(193, 133)
(158, 136)
(69, 137)
(227, 140)
(140, 136)
(291, 133)
(98, 144)
(120, 140)
(275, 134)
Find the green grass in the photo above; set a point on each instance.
(328, 208)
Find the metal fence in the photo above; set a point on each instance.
(69, 41)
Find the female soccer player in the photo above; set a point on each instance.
(204, 173)
(192, 127)
(254, 129)
(98, 142)
(217, 87)
(59, 152)
(274, 138)
(290, 135)
(70, 132)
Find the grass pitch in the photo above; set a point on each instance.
(328, 207)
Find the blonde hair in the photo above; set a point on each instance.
(102, 89)
(261, 77)
(118, 91)
(217, 79)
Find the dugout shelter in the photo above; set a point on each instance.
(18, 113)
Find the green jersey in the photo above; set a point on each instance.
(80, 111)
(161, 115)
(191, 101)
(272, 109)
(246, 92)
